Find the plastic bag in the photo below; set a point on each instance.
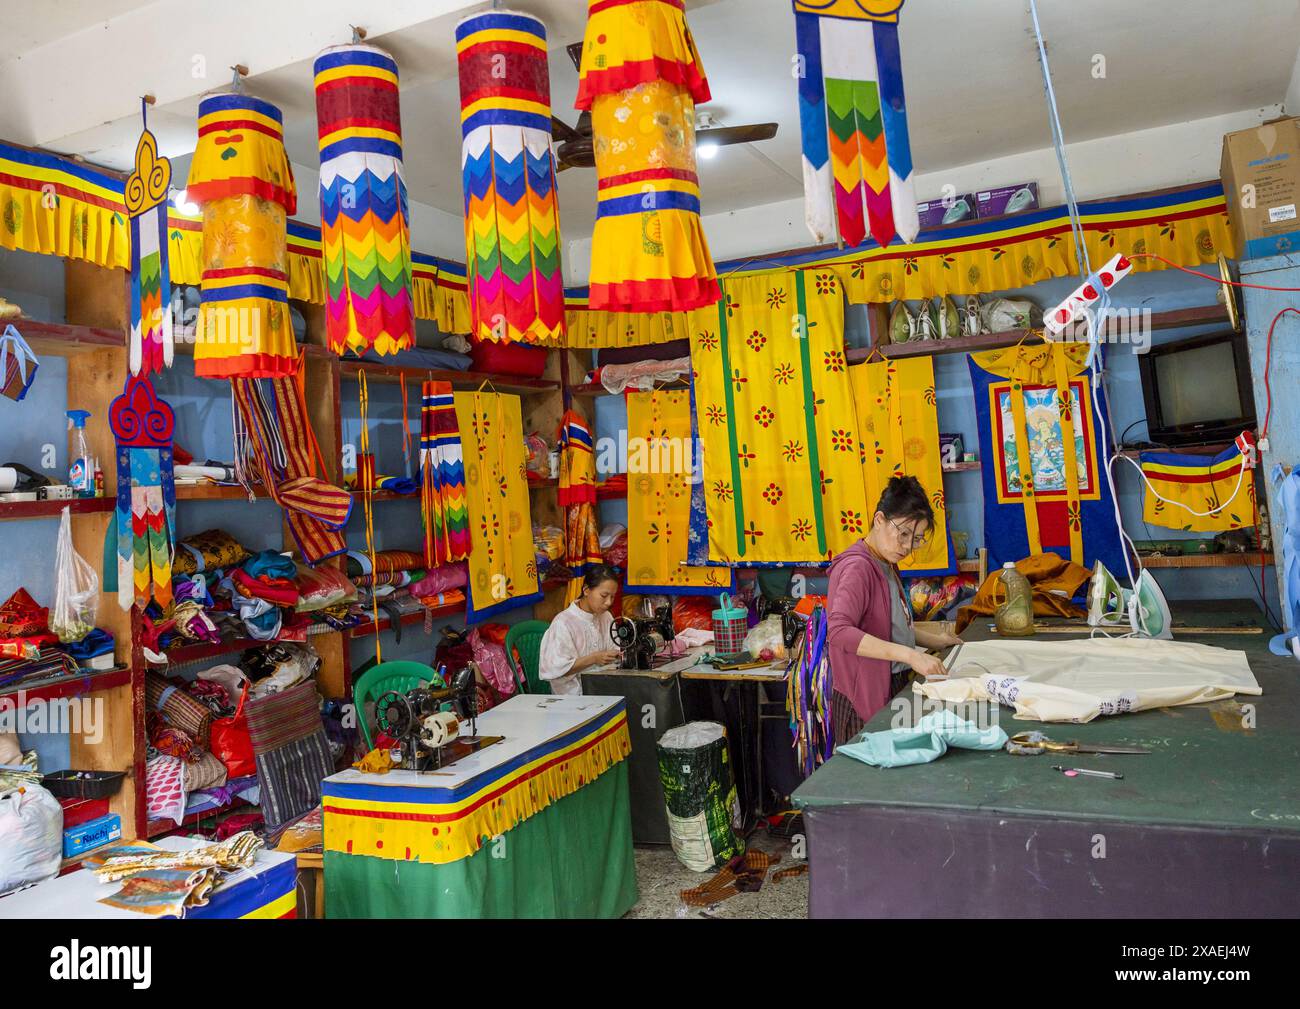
(31, 837)
(229, 739)
(767, 633)
(76, 598)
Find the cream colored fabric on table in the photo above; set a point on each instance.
(1077, 680)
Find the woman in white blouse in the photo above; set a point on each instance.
(578, 637)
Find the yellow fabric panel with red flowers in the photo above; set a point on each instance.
(782, 474)
(899, 427)
(502, 565)
(660, 463)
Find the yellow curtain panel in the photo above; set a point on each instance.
(899, 429)
(1221, 488)
(783, 480)
(661, 457)
(502, 565)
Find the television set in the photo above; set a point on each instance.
(1198, 390)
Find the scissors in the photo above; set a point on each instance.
(1031, 744)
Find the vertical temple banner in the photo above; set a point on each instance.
(641, 79)
(857, 155)
(142, 426)
(512, 214)
(365, 233)
(145, 196)
(241, 178)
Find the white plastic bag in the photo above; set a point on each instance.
(76, 599)
(767, 633)
(31, 837)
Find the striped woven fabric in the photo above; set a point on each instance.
(292, 751)
(442, 477)
(365, 233)
(279, 719)
(512, 216)
(280, 440)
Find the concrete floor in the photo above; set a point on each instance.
(660, 878)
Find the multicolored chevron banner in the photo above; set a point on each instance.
(512, 215)
(142, 424)
(365, 229)
(442, 477)
(857, 156)
(145, 195)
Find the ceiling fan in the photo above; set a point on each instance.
(574, 147)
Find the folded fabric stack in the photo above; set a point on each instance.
(159, 881)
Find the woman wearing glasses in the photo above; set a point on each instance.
(872, 640)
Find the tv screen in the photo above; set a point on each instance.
(1197, 385)
(1198, 390)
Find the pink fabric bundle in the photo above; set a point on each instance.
(441, 579)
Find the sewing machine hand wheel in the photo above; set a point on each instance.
(623, 632)
(393, 713)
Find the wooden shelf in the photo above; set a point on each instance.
(215, 492)
(1211, 448)
(52, 509)
(963, 467)
(157, 828)
(64, 338)
(71, 686)
(1250, 559)
(539, 484)
(596, 389)
(611, 494)
(970, 565)
(461, 380)
(1206, 316)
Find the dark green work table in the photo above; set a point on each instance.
(1206, 825)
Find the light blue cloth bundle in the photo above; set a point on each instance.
(927, 740)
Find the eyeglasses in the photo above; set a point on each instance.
(911, 540)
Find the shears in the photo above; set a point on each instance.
(1031, 744)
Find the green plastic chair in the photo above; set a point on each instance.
(383, 677)
(526, 637)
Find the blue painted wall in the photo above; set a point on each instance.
(1160, 291)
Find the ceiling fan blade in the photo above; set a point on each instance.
(562, 131)
(748, 134)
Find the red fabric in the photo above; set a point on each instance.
(21, 617)
(218, 189)
(859, 605)
(680, 294)
(508, 358)
(694, 612)
(229, 740)
(629, 75)
(280, 591)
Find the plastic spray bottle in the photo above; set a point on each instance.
(81, 474)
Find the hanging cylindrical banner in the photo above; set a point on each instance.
(365, 229)
(512, 216)
(641, 78)
(241, 177)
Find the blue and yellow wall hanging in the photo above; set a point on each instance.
(1045, 486)
(1223, 485)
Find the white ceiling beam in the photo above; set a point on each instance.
(177, 50)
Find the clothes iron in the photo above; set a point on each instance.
(902, 326)
(949, 319)
(1144, 609)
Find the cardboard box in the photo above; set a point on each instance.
(91, 834)
(1007, 200)
(1261, 180)
(933, 214)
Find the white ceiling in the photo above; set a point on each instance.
(971, 71)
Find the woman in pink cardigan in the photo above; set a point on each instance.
(870, 633)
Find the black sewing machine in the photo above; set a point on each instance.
(641, 639)
(429, 737)
(791, 623)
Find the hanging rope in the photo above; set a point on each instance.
(1100, 309)
(366, 473)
